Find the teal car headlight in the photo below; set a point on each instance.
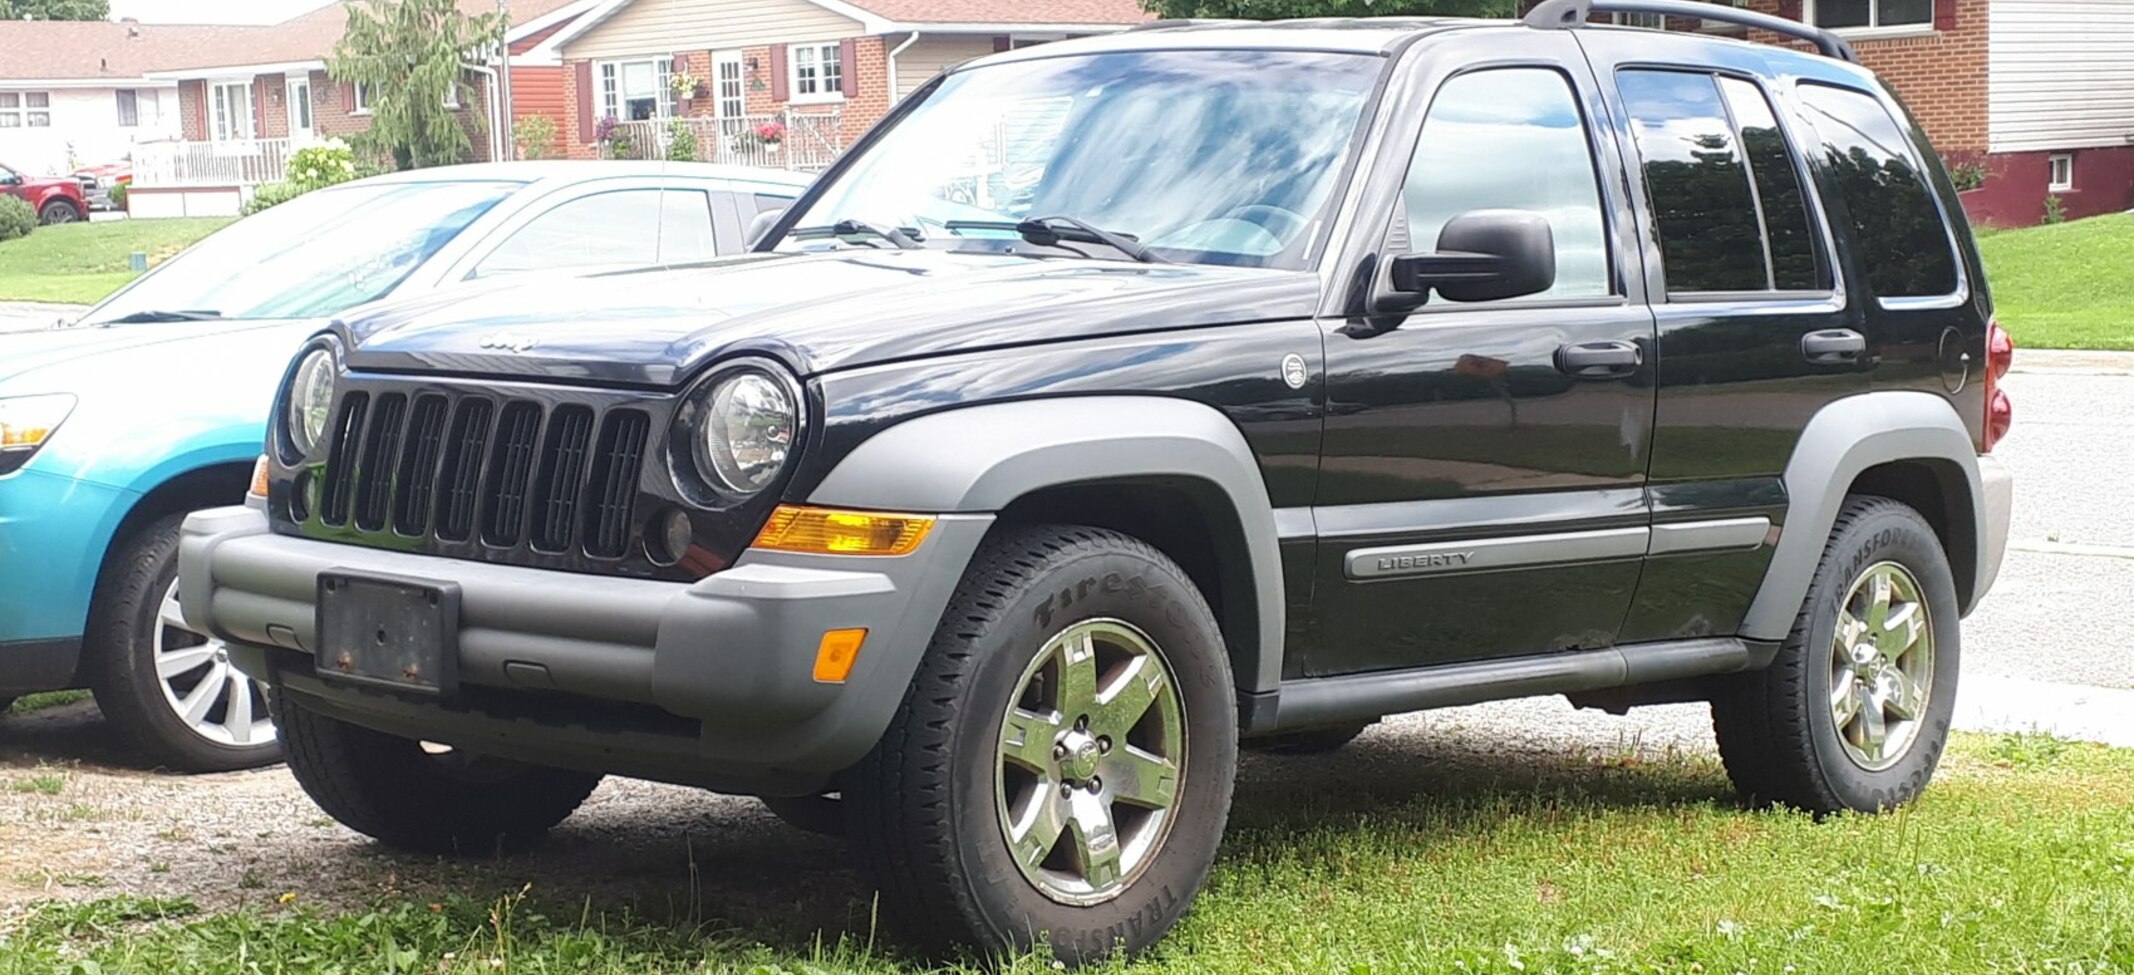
(311, 400)
(26, 422)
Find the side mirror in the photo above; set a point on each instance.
(1483, 255)
(761, 224)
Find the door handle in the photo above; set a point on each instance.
(1833, 346)
(1600, 360)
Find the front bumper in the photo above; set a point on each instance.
(1997, 482)
(707, 683)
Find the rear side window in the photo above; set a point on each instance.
(1726, 197)
(1897, 230)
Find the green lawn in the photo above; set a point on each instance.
(42, 700)
(2065, 286)
(81, 263)
(2020, 859)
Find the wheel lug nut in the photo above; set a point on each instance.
(1059, 752)
(1081, 723)
(1103, 745)
(1066, 789)
(1096, 784)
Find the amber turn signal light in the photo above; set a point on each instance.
(839, 651)
(259, 477)
(829, 531)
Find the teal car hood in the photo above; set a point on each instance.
(26, 352)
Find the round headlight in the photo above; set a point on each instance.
(748, 432)
(311, 399)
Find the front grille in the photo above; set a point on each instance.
(557, 479)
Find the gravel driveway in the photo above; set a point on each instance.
(225, 839)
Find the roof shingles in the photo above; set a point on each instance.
(1093, 12)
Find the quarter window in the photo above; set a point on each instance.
(1514, 138)
(1897, 230)
(622, 228)
(1873, 13)
(1725, 197)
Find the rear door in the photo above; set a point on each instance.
(1482, 487)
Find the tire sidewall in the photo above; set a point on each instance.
(1165, 606)
(61, 206)
(1887, 534)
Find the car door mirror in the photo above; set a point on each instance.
(1483, 255)
(761, 225)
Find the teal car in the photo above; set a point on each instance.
(154, 403)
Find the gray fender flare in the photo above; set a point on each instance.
(982, 458)
(1843, 439)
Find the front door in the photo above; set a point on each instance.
(302, 129)
(728, 86)
(1482, 488)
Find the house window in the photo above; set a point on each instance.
(230, 111)
(2063, 173)
(1871, 14)
(361, 100)
(129, 107)
(25, 109)
(633, 91)
(1653, 21)
(818, 72)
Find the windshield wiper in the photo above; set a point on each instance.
(182, 315)
(854, 228)
(1049, 231)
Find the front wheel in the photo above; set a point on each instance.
(1855, 711)
(1060, 771)
(59, 212)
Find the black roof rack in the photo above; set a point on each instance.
(1561, 14)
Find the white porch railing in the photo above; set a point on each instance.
(248, 162)
(804, 141)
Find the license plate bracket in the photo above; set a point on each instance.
(388, 631)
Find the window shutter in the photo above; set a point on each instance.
(1944, 14)
(1002, 43)
(586, 123)
(848, 67)
(781, 87)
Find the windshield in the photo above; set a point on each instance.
(1217, 157)
(319, 254)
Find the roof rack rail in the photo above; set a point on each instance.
(1562, 14)
(1183, 22)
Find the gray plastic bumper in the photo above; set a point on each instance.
(1997, 485)
(734, 651)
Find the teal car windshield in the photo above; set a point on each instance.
(1204, 156)
(318, 254)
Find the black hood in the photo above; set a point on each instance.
(817, 312)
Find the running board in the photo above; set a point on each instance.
(1315, 702)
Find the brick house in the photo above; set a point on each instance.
(244, 104)
(2040, 93)
(817, 73)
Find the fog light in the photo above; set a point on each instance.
(668, 537)
(840, 649)
(827, 531)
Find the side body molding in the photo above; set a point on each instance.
(1843, 439)
(981, 458)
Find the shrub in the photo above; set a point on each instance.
(1967, 176)
(118, 196)
(271, 195)
(535, 136)
(681, 141)
(2055, 210)
(17, 218)
(323, 165)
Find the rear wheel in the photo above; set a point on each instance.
(423, 797)
(1855, 711)
(1060, 771)
(168, 691)
(60, 211)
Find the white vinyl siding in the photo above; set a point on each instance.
(932, 55)
(649, 26)
(2060, 74)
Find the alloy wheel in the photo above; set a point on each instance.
(213, 699)
(1881, 666)
(1092, 751)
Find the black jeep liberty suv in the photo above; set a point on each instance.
(1120, 400)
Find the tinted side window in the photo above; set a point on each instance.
(1797, 261)
(1897, 231)
(1512, 137)
(1711, 237)
(623, 228)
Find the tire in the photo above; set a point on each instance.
(170, 693)
(821, 815)
(405, 795)
(929, 805)
(1785, 736)
(58, 212)
(1313, 741)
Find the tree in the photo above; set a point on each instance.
(1282, 9)
(410, 57)
(55, 9)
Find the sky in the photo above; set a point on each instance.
(213, 11)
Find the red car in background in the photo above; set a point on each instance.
(57, 199)
(98, 182)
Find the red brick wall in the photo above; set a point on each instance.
(2018, 183)
(270, 106)
(1941, 76)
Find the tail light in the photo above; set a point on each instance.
(2000, 412)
